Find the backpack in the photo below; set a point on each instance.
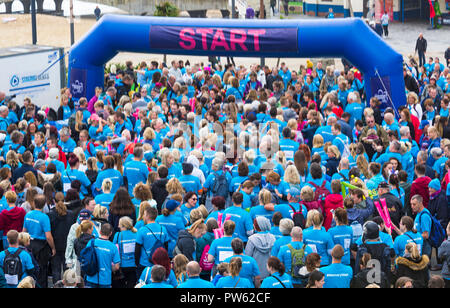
(156, 245)
(380, 251)
(88, 259)
(320, 192)
(357, 230)
(298, 218)
(12, 265)
(298, 259)
(275, 198)
(220, 186)
(204, 264)
(437, 233)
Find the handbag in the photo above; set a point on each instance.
(143, 283)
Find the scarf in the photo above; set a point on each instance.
(434, 195)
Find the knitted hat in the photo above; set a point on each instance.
(435, 184)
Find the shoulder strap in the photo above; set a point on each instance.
(237, 283)
(343, 176)
(293, 209)
(323, 184)
(313, 184)
(279, 280)
(410, 238)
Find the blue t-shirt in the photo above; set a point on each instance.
(342, 235)
(283, 240)
(243, 221)
(249, 267)
(272, 282)
(136, 172)
(196, 283)
(68, 146)
(234, 282)
(146, 273)
(190, 183)
(220, 249)
(401, 241)
(126, 242)
(337, 275)
(173, 224)
(320, 242)
(113, 175)
(37, 224)
(147, 237)
(423, 222)
(107, 254)
(104, 199)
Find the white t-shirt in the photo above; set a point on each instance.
(385, 19)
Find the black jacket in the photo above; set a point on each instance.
(438, 206)
(81, 242)
(185, 245)
(394, 206)
(421, 45)
(411, 84)
(60, 226)
(360, 280)
(159, 192)
(417, 270)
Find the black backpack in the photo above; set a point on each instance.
(382, 252)
(220, 186)
(298, 218)
(12, 264)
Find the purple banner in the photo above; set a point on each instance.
(230, 40)
(378, 90)
(78, 82)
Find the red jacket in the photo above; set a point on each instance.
(332, 202)
(12, 219)
(420, 187)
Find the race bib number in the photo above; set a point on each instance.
(289, 154)
(313, 247)
(129, 247)
(223, 255)
(347, 242)
(66, 186)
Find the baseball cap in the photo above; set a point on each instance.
(423, 124)
(371, 231)
(95, 117)
(172, 204)
(85, 214)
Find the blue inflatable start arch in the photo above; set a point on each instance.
(335, 38)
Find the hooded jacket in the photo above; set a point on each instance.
(420, 187)
(444, 254)
(360, 215)
(417, 270)
(12, 219)
(159, 192)
(186, 245)
(438, 207)
(196, 172)
(332, 202)
(259, 246)
(60, 226)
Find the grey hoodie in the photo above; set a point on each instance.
(259, 245)
(196, 172)
(444, 254)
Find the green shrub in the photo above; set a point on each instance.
(167, 9)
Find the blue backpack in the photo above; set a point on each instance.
(437, 233)
(220, 186)
(89, 260)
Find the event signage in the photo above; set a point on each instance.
(230, 40)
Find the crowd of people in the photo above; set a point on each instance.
(193, 176)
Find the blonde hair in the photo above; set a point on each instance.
(92, 163)
(317, 141)
(80, 154)
(100, 211)
(413, 250)
(27, 283)
(85, 226)
(127, 223)
(174, 186)
(265, 197)
(107, 185)
(235, 266)
(144, 205)
(179, 266)
(198, 224)
(334, 149)
(291, 175)
(24, 239)
(314, 218)
(307, 194)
